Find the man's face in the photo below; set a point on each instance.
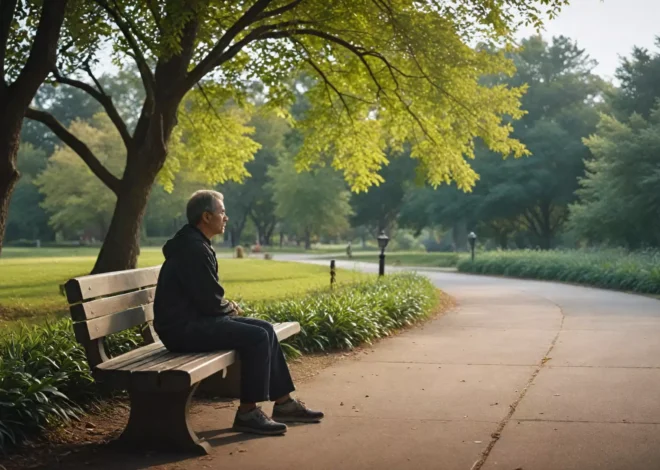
(218, 218)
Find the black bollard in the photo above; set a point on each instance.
(333, 274)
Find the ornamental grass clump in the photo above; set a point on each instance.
(353, 315)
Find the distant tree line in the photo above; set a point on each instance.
(591, 178)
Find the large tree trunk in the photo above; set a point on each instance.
(121, 246)
(268, 235)
(9, 139)
(15, 98)
(308, 240)
(547, 235)
(236, 230)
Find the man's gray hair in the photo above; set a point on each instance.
(202, 201)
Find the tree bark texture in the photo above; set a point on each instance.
(121, 246)
(9, 140)
(15, 98)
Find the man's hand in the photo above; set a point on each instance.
(237, 309)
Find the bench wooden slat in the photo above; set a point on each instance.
(130, 356)
(109, 305)
(124, 376)
(172, 362)
(193, 372)
(157, 376)
(97, 285)
(286, 329)
(134, 365)
(109, 324)
(153, 363)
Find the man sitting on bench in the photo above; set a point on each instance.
(191, 314)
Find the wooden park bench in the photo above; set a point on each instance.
(160, 383)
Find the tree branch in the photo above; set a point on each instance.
(209, 62)
(153, 8)
(560, 218)
(42, 54)
(360, 52)
(105, 101)
(534, 222)
(91, 75)
(279, 11)
(135, 30)
(208, 102)
(259, 33)
(7, 10)
(328, 83)
(83, 151)
(143, 66)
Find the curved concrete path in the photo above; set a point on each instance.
(521, 375)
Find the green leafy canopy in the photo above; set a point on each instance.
(386, 73)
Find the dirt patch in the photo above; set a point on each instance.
(80, 441)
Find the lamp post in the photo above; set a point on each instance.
(383, 240)
(472, 238)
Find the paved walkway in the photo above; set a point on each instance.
(522, 375)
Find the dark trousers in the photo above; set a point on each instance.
(264, 371)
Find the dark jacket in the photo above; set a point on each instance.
(188, 288)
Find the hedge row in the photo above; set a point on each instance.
(610, 269)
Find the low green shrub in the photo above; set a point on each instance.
(610, 269)
(45, 379)
(355, 315)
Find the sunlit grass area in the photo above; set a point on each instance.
(30, 283)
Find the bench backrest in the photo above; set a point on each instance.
(103, 304)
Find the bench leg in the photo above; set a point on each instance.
(159, 421)
(227, 387)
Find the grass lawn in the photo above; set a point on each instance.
(30, 278)
(435, 259)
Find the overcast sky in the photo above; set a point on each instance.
(607, 29)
